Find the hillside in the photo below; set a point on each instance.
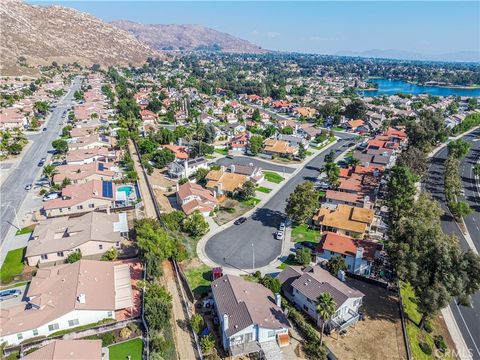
(43, 34)
(186, 37)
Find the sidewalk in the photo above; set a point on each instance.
(286, 244)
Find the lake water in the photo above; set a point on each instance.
(392, 87)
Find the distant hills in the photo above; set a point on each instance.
(186, 37)
(42, 34)
(461, 56)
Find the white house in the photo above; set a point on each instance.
(251, 318)
(302, 286)
(186, 168)
(67, 296)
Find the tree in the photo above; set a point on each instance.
(210, 133)
(335, 264)
(326, 308)
(195, 225)
(200, 175)
(162, 158)
(415, 159)
(287, 130)
(201, 149)
(460, 209)
(78, 95)
(41, 107)
(458, 148)
(476, 169)
(302, 202)
(401, 191)
(333, 171)
(74, 257)
(207, 344)
(197, 323)
(158, 307)
(110, 255)
(271, 283)
(302, 152)
(34, 123)
(247, 191)
(66, 181)
(356, 109)
(256, 117)
(147, 146)
(255, 144)
(66, 130)
(49, 171)
(14, 149)
(315, 350)
(303, 256)
(60, 145)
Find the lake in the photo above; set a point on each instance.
(392, 87)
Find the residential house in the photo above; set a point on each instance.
(254, 173)
(12, 118)
(239, 142)
(354, 125)
(186, 168)
(192, 197)
(91, 142)
(250, 316)
(67, 296)
(86, 156)
(83, 173)
(359, 254)
(92, 234)
(293, 140)
(344, 219)
(276, 147)
(180, 152)
(221, 182)
(306, 112)
(68, 349)
(80, 198)
(303, 286)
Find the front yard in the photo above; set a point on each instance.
(223, 151)
(231, 209)
(304, 233)
(264, 189)
(12, 266)
(131, 349)
(273, 177)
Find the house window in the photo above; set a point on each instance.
(117, 244)
(19, 336)
(100, 246)
(271, 334)
(305, 307)
(60, 210)
(44, 257)
(73, 322)
(53, 327)
(69, 209)
(79, 207)
(109, 314)
(91, 206)
(35, 332)
(60, 254)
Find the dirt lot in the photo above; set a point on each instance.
(379, 336)
(158, 179)
(162, 199)
(224, 216)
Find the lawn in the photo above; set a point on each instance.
(199, 279)
(264, 189)
(287, 262)
(273, 177)
(25, 230)
(131, 349)
(12, 266)
(223, 151)
(413, 317)
(251, 202)
(304, 233)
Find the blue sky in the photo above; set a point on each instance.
(427, 27)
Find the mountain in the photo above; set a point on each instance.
(43, 34)
(460, 56)
(186, 37)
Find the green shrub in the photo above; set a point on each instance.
(428, 327)
(440, 343)
(425, 348)
(108, 339)
(74, 257)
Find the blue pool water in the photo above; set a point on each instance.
(126, 189)
(392, 87)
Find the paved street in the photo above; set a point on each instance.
(237, 245)
(468, 319)
(12, 193)
(245, 160)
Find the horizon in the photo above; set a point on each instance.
(327, 28)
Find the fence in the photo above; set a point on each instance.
(404, 324)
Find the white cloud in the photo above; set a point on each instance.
(273, 34)
(254, 32)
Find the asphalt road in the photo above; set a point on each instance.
(13, 193)
(252, 244)
(251, 160)
(467, 318)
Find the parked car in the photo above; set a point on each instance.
(229, 156)
(322, 185)
(51, 196)
(44, 129)
(305, 244)
(9, 294)
(282, 226)
(28, 187)
(40, 163)
(279, 235)
(240, 220)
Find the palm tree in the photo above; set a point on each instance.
(332, 170)
(49, 171)
(354, 161)
(326, 308)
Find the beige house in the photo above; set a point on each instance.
(69, 349)
(92, 141)
(82, 173)
(92, 234)
(192, 197)
(345, 220)
(81, 198)
(221, 182)
(279, 147)
(67, 296)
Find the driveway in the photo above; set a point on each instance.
(252, 244)
(467, 318)
(12, 191)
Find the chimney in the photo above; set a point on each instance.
(341, 275)
(178, 186)
(81, 299)
(185, 165)
(225, 322)
(232, 168)
(358, 260)
(278, 300)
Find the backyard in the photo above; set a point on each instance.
(304, 233)
(199, 277)
(128, 350)
(273, 177)
(12, 266)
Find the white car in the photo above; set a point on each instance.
(50, 196)
(279, 235)
(282, 226)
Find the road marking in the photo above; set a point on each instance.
(468, 330)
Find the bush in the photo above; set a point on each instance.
(197, 323)
(110, 255)
(74, 257)
(425, 348)
(428, 327)
(125, 333)
(440, 343)
(108, 339)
